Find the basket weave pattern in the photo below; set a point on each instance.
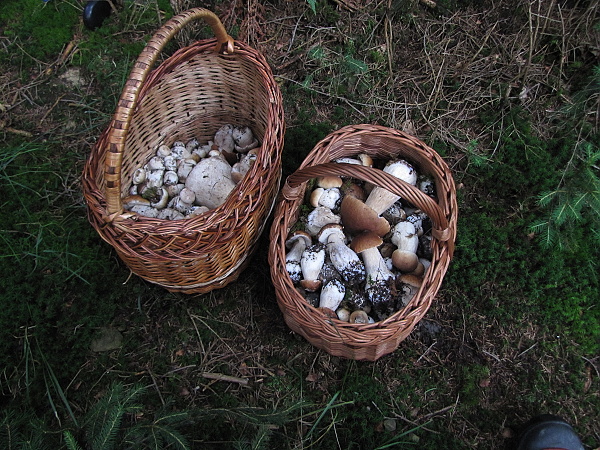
(191, 94)
(365, 341)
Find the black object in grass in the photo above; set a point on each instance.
(95, 12)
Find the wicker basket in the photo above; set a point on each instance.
(370, 341)
(191, 94)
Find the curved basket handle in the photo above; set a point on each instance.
(440, 231)
(127, 103)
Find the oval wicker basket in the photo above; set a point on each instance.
(369, 341)
(191, 94)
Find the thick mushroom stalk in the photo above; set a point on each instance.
(332, 295)
(296, 244)
(405, 238)
(311, 262)
(379, 286)
(343, 258)
(380, 198)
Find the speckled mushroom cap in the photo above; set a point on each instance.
(358, 217)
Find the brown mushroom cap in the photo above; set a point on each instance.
(359, 316)
(328, 182)
(365, 241)
(405, 261)
(296, 235)
(412, 280)
(354, 190)
(358, 217)
(310, 285)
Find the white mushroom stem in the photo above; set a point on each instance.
(404, 236)
(332, 295)
(375, 267)
(380, 198)
(311, 262)
(296, 244)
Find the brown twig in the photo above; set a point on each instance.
(223, 377)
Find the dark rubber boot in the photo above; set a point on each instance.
(548, 432)
(95, 12)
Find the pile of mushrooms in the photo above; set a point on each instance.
(188, 179)
(361, 252)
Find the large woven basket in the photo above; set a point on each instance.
(364, 341)
(191, 94)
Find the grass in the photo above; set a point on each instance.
(514, 330)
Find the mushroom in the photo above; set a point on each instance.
(243, 166)
(170, 178)
(139, 176)
(192, 145)
(296, 244)
(197, 210)
(330, 181)
(426, 185)
(146, 211)
(354, 190)
(170, 162)
(404, 236)
(174, 189)
(224, 139)
(184, 168)
(409, 285)
(358, 217)
(134, 200)
(311, 262)
(162, 199)
(343, 314)
(244, 139)
(343, 258)
(332, 295)
(359, 316)
(379, 284)
(417, 217)
(210, 180)
(183, 202)
(327, 197)
(380, 198)
(394, 214)
(203, 150)
(169, 214)
(318, 218)
(163, 150)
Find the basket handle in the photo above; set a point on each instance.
(440, 231)
(127, 103)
